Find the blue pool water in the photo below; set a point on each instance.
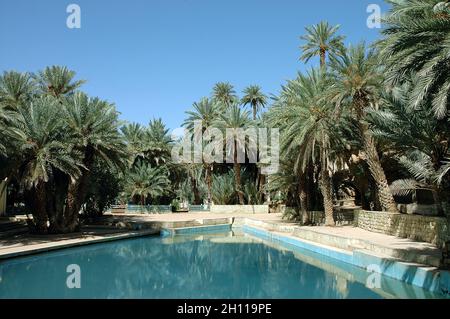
(226, 265)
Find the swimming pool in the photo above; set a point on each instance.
(233, 264)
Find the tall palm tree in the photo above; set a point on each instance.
(206, 112)
(224, 93)
(356, 82)
(255, 98)
(321, 39)
(44, 147)
(94, 125)
(57, 81)
(416, 41)
(144, 181)
(309, 131)
(231, 121)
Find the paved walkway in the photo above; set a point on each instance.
(30, 244)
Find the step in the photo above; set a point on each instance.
(432, 257)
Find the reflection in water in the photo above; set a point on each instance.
(181, 268)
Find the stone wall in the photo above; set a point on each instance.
(434, 230)
(341, 216)
(239, 209)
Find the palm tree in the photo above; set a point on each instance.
(44, 147)
(57, 81)
(309, 131)
(194, 173)
(94, 125)
(255, 98)
(157, 142)
(205, 112)
(356, 82)
(133, 134)
(144, 181)
(416, 42)
(15, 89)
(224, 93)
(232, 122)
(321, 39)
(416, 139)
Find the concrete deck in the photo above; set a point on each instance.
(28, 244)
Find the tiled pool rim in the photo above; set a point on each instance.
(426, 277)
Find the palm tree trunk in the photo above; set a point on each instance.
(437, 202)
(237, 175)
(76, 195)
(325, 188)
(72, 209)
(313, 199)
(303, 198)
(209, 183)
(254, 112)
(373, 160)
(262, 183)
(323, 55)
(39, 211)
(197, 199)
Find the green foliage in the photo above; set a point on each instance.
(57, 81)
(176, 205)
(321, 39)
(105, 185)
(143, 181)
(223, 189)
(416, 41)
(255, 98)
(224, 93)
(415, 137)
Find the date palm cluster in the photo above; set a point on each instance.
(371, 122)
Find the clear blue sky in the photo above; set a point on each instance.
(154, 58)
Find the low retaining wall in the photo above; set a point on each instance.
(341, 216)
(434, 230)
(239, 209)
